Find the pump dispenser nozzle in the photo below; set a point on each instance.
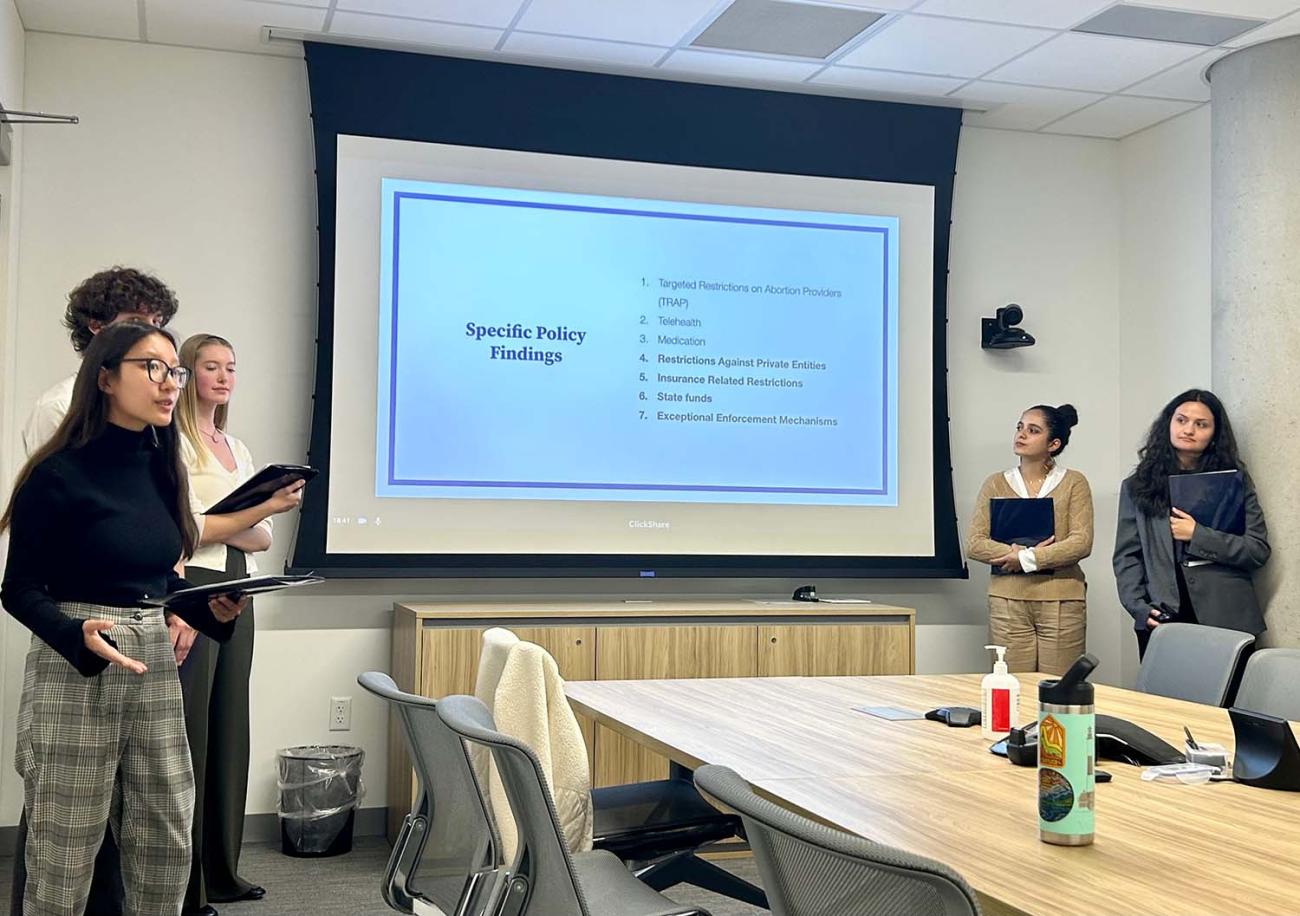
(1000, 666)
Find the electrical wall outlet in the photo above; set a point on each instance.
(340, 714)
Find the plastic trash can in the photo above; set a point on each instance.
(320, 790)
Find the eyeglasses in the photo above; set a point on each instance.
(159, 370)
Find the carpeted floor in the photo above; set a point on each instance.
(349, 885)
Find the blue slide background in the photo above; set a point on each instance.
(454, 422)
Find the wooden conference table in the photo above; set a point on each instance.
(1161, 849)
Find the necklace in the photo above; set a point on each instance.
(214, 436)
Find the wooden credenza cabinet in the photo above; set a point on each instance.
(436, 645)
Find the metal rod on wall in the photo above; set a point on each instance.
(35, 117)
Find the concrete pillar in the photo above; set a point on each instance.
(1255, 116)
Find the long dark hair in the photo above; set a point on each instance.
(1157, 458)
(87, 418)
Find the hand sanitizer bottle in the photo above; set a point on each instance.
(1000, 709)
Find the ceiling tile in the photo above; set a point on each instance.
(1181, 82)
(738, 66)
(943, 47)
(1258, 9)
(1019, 107)
(1118, 116)
(497, 13)
(785, 27)
(1127, 20)
(1093, 62)
(323, 4)
(104, 18)
(1288, 25)
(889, 6)
(414, 31)
(228, 24)
(663, 22)
(579, 50)
(887, 82)
(1051, 14)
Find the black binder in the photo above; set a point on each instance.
(1022, 521)
(1216, 499)
(197, 597)
(260, 486)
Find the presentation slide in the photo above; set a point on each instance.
(544, 354)
(633, 350)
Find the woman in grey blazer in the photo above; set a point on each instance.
(1212, 582)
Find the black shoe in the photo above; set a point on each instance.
(256, 892)
(200, 911)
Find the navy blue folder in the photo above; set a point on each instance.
(1021, 521)
(1216, 499)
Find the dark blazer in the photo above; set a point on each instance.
(1222, 592)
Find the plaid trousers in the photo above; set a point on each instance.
(106, 749)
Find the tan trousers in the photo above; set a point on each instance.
(1042, 636)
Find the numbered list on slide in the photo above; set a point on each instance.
(542, 345)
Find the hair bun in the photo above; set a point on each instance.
(1069, 416)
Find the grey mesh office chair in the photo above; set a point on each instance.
(1271, 684)
(446, 853)
(1188, 661)
(812, 870)
(544, 879)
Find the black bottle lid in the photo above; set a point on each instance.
(1073, 688)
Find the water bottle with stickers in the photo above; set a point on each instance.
(1067, 752)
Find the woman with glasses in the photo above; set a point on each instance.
(100, 519)
(214, 677)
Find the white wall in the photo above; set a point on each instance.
(198, 165)
(1036, 220)
(1164, 279)
(12, 53)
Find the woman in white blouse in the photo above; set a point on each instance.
(214, 677)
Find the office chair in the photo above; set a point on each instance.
(1188, 661)
(656, 827)
(446, 854)
(544, 879)
(812, 870)
(1271, 684)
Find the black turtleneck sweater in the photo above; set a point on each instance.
(93, 525)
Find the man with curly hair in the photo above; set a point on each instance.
(116, 294)
(110, 296)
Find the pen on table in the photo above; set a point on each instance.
(1191, 742)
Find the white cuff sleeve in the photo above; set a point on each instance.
(1027, 561)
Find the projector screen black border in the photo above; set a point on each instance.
(408, 96)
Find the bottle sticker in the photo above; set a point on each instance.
(1051, 743)
(1055, 795)
(1001, 710)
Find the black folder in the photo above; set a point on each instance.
(1021, 521)
(199, 595)
(1216, 499)
(259, 487)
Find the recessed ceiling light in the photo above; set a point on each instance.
(1125, 21)
(785, 27)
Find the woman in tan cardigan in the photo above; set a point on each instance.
(1036, 595)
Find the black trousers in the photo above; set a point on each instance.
(214, 682)
(1186, 613)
